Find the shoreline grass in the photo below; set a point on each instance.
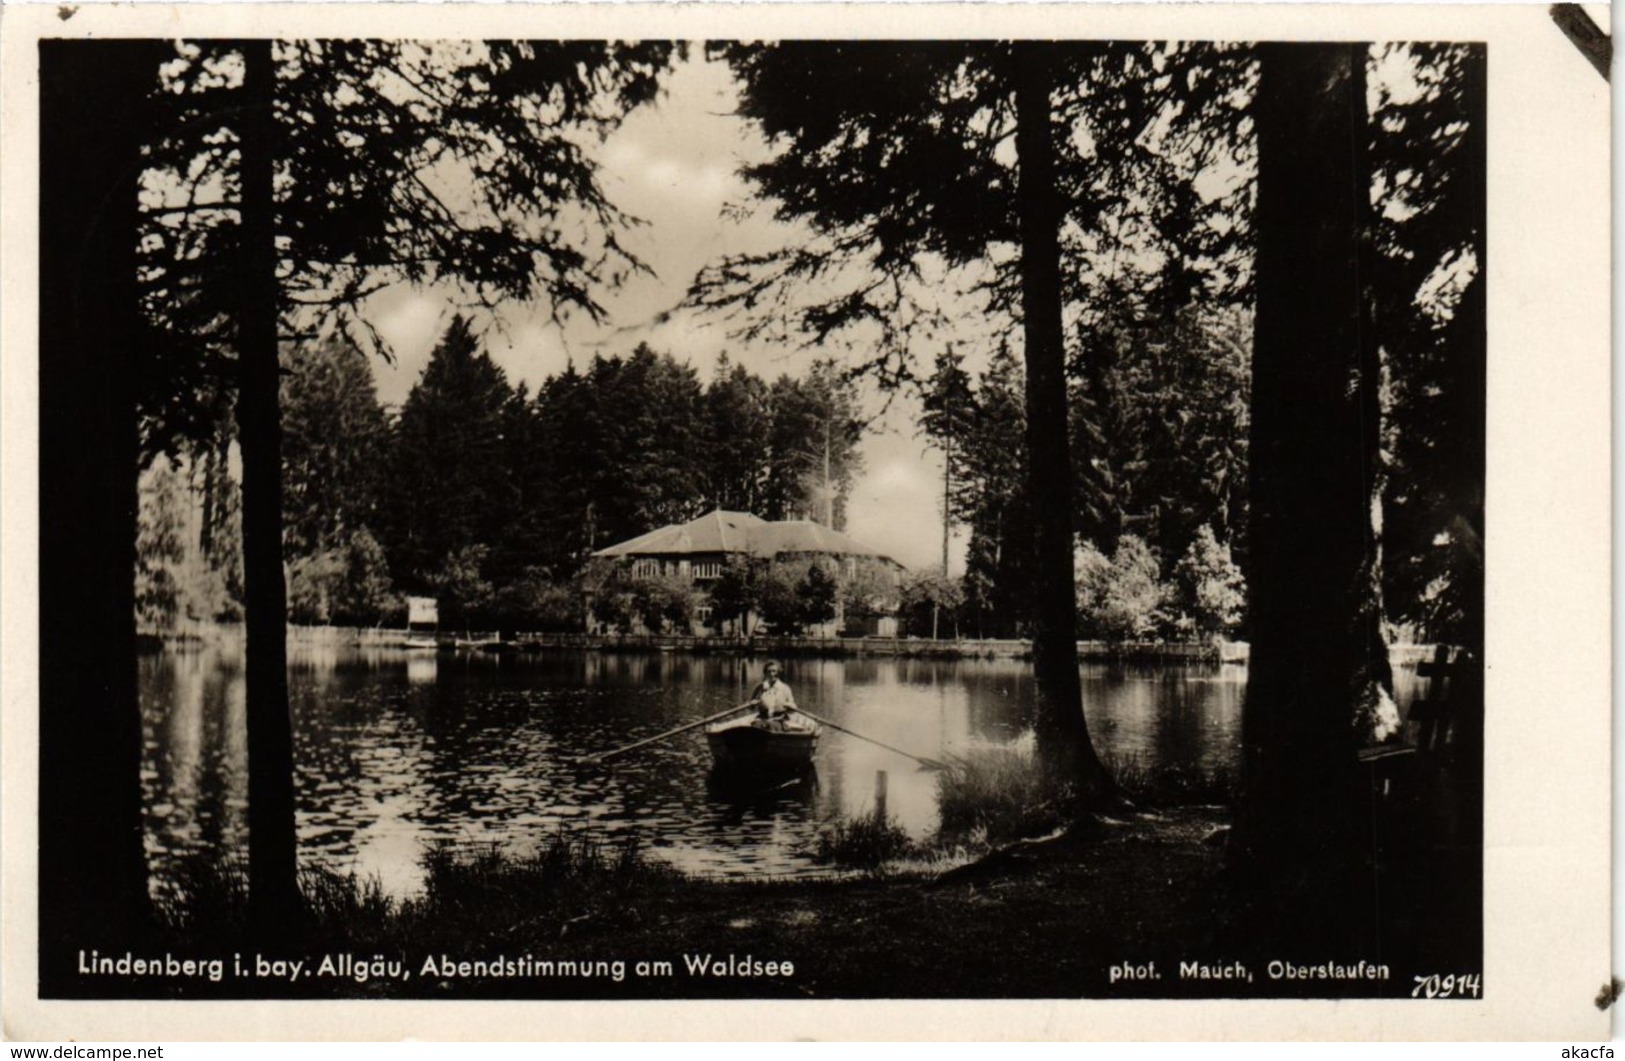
(995, 795)
(573, 881)
(869, 841)
(470, 894)
(1166, 785)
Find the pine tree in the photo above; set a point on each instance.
(448, 482)
(998, 560)
(334, 436)
(736, 433)
(948, 418)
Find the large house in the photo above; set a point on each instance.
(701, 549)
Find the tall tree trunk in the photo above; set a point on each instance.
(1317, 654)
(1466, 689)
(1063, 734)
(93, 876)
(1472, 319)
(272, 855)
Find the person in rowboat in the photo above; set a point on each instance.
(773, 700)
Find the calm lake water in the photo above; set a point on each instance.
(398, 751)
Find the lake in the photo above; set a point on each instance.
(398, 751)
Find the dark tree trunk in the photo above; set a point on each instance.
(1473, 320)
(1063, 735)
(92, 869)
(1467, 679)
(272, 855)
(1317, 654)
(1468, 342)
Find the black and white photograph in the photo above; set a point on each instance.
(607, 512)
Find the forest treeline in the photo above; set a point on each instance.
(483, 494)
(1158, 430)
(492, 498)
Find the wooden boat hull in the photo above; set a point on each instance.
(761, 788)
(742, 746)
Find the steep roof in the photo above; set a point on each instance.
(741, 532)
(715, 532)
(803, 536)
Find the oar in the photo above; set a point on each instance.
(929, 764)
(599, 757)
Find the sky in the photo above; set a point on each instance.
(675, 164)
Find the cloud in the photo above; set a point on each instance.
(675, 166)
(896, 507)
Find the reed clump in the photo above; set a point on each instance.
(992, 796)
(206, 896)
(867, 841)
(571, 876)
(996, 795)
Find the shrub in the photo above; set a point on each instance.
(311, 582)
(363, 594)
(794, 594)
(929, 594)
(867, 841)
(533, 601)
(1210, 587)
(207, 896)
(463, 592)
(873, 589)
(1120, 599)
(347, 584)
(736, 591)
(816, 592)
(665, 603)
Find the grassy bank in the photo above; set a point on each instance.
(1046, 923)
(1000, 901)
(471, 894)
(1008, 899)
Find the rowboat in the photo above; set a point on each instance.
(744, 746)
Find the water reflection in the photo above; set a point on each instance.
(397, 751)
(194, 767)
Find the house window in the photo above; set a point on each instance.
(646, 568)
(708, 569)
